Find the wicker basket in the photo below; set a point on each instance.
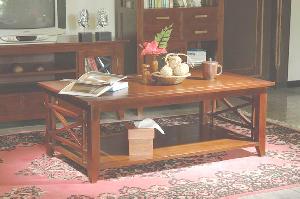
(171, 80)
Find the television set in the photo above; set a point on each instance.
(31, 20)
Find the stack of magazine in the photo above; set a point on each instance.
(93, 84)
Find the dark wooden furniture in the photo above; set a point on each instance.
(198, 27)
(92, 150)
(256, 38)
(20, 99)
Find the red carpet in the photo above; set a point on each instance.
(26, 172)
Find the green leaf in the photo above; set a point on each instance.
(163, 37)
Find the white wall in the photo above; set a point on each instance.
(294, 54)
(75, 6)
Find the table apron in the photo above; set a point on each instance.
(162, 100)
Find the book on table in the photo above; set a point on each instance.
(94, 83)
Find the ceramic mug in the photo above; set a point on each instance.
(210, 69)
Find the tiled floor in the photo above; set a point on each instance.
(283, 105)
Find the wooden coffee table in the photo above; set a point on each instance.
(86, 145)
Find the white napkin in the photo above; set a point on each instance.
(148, 123)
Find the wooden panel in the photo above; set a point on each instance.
(177, 47)
(241, 36)
(200, 31)
(22, 106)
(200, 15)
(33, 105)
(281, 40)
(10, 107)
(155, 20)
(164, 16)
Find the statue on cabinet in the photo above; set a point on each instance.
(83, 22)
(102, 22)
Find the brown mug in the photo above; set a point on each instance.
(210, 69)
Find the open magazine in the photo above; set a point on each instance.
(92, 84)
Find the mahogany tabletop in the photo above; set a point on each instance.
(189, 90)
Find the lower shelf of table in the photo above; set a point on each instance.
(179, 141)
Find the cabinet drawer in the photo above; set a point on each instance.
(156, 20)
(200, 24)
(200, 16)
(200, 32)
(161, 16)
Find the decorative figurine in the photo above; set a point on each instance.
(83, 22)
(102, 18)
(84, 19)
(102, 22)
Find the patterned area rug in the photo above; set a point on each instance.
(26, 172)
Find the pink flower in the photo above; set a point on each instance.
(151, 48)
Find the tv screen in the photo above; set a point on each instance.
(27, 14)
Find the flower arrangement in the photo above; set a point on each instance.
(159, 44)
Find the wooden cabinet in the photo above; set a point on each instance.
(21, 106)
(243, 36)
(21, 66)
(193, 28)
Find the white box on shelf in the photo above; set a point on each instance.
(196, 56)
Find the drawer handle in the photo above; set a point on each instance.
(200, 16)
(163, 18)
(199, 32)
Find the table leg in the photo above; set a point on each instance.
(85, 132)
(50, 125)
(121, 114)
(93, 144)
(213, 109)
(203, 110)
(140, 112)
(260, 105)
